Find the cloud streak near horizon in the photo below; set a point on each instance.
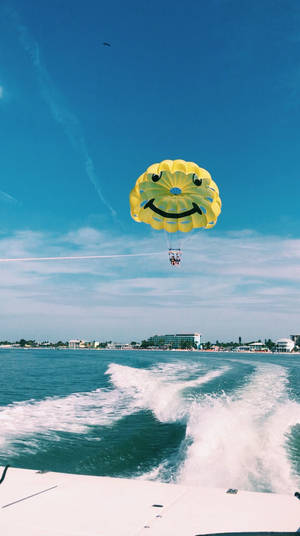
(236, 284)
(55, 102)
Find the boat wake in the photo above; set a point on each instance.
(238, 440)
(133, 390)
(241, 438)
(161, 389)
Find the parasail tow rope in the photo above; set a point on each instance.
(81, 257)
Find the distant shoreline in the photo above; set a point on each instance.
(145, 350)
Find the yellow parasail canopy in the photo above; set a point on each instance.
(176, 196)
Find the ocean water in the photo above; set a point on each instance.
(219, 420)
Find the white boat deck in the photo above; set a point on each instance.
(56, 504)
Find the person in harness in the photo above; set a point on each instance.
(175, 257)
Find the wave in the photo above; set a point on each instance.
(75, 413)
(133, 390)
(241, 440)
(160, 389)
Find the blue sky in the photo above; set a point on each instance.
(213, 82)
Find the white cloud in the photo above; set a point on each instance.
(228, 285)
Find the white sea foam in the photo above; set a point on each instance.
(157, 389)
(240, 440)
(237, 440)
(134, 389)
(74, 413)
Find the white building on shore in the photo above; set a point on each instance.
(284, 345)
(253, 347)
(178, 340)
(76, 343)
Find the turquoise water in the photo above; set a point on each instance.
(225, 420)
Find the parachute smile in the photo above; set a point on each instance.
(194, 210)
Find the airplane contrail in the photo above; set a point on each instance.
(54, 100)
(4, 196)
(79, 257)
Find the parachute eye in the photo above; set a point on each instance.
(196, 180)
(155, 177)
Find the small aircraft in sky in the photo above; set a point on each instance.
(106, 44)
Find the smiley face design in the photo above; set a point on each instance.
(176, 196)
